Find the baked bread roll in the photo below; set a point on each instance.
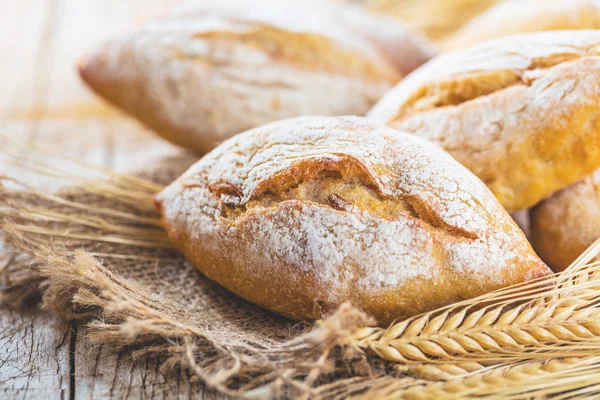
(520, 112)
(520, 16)
(564, 225)
(437, 18)
(301, 215)
(212, 68)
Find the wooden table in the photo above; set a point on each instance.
(42, 356)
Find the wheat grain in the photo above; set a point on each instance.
(526, 340)
(524, 379)
(510, 327)
(59, 201)
(434, 372)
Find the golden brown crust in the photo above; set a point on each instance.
(301, 215)
(437, 18)
(215, 68)
(520, 16)
(520, 112)
(564, 225)
(305, 50)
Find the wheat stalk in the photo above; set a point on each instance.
(520, 322)
(110, 188)
(536, 338)
(126, 189)
(434, 372)
(525, 379)
(49, 150)
(27, 211)
(76, 206)
(69, 222)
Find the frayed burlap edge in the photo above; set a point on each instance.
(113, 218)
(78, 286)
(47, 234)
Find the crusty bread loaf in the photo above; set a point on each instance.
(564, 225)
(520, 112)
(212, 68)
(301, 215)
(437, 18)
(520, 16)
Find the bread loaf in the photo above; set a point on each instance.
(301, 215)
(437, 18)
(212, 68)
(564, 225)
(520, 16)
(520, 112)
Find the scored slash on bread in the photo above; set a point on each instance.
(520, 112)
(211, 69)
(301, 215)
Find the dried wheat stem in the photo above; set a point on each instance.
(108, 187)
(515, 328)
(63, 234)
(529, 378)
(49, 150)
(87, 221)
(13, 198)
(490, 335)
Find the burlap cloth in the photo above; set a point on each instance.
(95, 250)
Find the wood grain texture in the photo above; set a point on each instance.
(41, 97)
(34, 355)
(44, 357)
(106, 373)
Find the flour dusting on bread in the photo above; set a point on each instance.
(210, 69)
(349, 210)
(510, 17)
(520, 112)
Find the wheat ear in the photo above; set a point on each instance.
(525, 379)
(521, 322)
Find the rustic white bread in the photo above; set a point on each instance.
(436, 18)
(564, 225)
(520, 16)
(212, 68)
(406, 48)
(520, 112)
(301, 215)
